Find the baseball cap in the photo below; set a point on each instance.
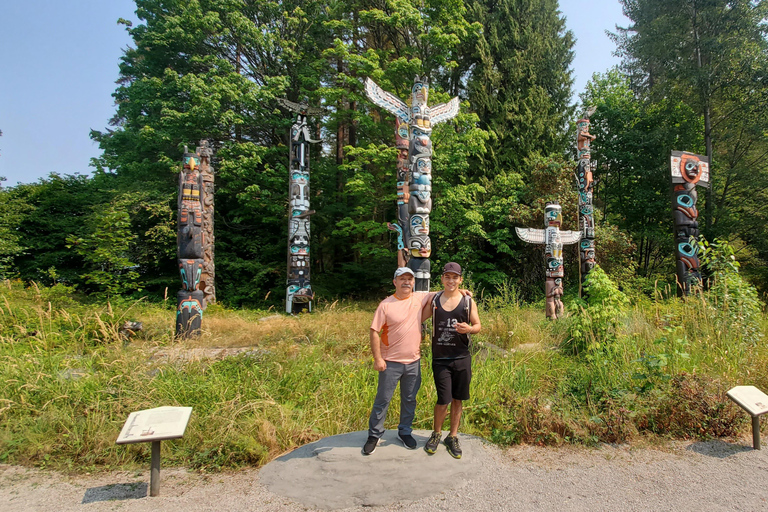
(452, 267)
(404, 270)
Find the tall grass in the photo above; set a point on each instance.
(69, 379)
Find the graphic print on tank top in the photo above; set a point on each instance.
(447, 342)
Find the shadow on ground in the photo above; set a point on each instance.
(718, 448)
(115, 492)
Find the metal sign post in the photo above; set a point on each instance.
(155, 425)
(755, 402)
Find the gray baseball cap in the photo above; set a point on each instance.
(403, 270)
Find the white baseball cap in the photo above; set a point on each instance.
(404, 270)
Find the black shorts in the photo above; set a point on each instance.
(452, 377)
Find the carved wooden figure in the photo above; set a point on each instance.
(688, 171)
(299, 294)
(586, 182)
(553, 240)
(191, 243)
(413, 231)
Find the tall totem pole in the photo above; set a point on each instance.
(414, 230)
(688, 170)
(553, 240)
(586, 182)
(299, 294)
(195, 240)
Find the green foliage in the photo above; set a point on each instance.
(598, 316)
(104, 250)
(731, 299)
(69, 379)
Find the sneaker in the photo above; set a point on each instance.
(407, 440)
(370, 445)
(434, 441)
(452, 443)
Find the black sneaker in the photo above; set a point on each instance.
(370, 445)
(407, 440)
(434, 441)
(452, 443)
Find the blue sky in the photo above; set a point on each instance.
(59, 62)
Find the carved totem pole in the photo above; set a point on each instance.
(207, 279)
(553, 240)
(420, 118)
(402, 228)
(191, 300)
(586, 182)
(688, 170)
(299, 294)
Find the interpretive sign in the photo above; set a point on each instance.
(155, 425)
(755, 402)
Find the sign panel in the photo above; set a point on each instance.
(155, 425)
(751, 399)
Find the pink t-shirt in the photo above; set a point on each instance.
(399, 321)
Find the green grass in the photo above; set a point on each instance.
(68, 380)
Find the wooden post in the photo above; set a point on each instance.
(154, 479)
(756, 432)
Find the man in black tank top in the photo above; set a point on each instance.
(454, 319)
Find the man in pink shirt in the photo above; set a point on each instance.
(396, 356)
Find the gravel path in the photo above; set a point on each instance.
(332, 474)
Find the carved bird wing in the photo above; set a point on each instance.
(531, 235)
(444, 111)
(301, 108)
(387, 101)
(293, 107)
(569, 237)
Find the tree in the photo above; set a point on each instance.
(703, 52)
(633, 140)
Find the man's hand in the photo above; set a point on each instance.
(463, 328)
(465, 293)
(379, 365)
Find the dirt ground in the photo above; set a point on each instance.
(332, 474)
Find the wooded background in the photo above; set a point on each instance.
(694, 77)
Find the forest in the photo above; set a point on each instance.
(694, 77)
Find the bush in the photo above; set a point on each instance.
(598, 315)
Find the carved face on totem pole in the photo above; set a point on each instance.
(190, 229)
(419, 109)
(553, 248)
(688, 171)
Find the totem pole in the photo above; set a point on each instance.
(191, 242)
(207, 279)
(553, 240)
(402, 228)
(420, 119)
(586, 211)
(688, 170)
(299, 294)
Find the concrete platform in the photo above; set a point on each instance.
(332, 473)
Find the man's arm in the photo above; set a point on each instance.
(379, 364)
(474, 319)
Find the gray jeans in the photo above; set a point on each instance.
(409, 377)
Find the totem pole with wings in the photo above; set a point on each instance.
(414, 173)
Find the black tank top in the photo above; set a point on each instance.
(447, 343)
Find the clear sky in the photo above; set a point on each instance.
(59, 62)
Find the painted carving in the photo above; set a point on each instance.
(553, 240)
(299, 294)
(688, 171)
(414, 171)
(191, 247)
(586, 182)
